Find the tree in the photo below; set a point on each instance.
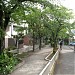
(55, 20)
(53, 17)
(7, 7)
(34, 22)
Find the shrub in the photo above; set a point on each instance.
(7, 62)
(11, 48)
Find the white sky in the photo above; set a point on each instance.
(69, 4)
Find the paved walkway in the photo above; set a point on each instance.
(34, 64)
(66, 63)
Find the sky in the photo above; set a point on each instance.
(69, 4)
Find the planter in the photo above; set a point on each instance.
(49, 68)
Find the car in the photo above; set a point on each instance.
(72, 43)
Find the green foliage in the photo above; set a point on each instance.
(63, 34)
(11, 48)
(48, 21)
(2, 33)
(7, 62)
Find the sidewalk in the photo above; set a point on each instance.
(66, 62)
(34, 64)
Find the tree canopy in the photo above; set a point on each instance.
(41, 15)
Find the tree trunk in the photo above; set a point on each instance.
(1, 30)
(39, 41)
(55, 46)
(2, 45)
(3, 26)
(33, 41)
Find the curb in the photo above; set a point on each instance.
(49, 68)
(46, 58)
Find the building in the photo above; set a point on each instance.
(11, 33)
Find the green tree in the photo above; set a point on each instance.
(56, 18)
(34, 21)
(7, 7)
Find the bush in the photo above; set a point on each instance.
(7, 62)
(11, 48)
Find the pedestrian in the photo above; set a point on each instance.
(61, 43)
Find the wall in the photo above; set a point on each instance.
(26, 40)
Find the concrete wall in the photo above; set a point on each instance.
(26, 40)
(6, 42)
